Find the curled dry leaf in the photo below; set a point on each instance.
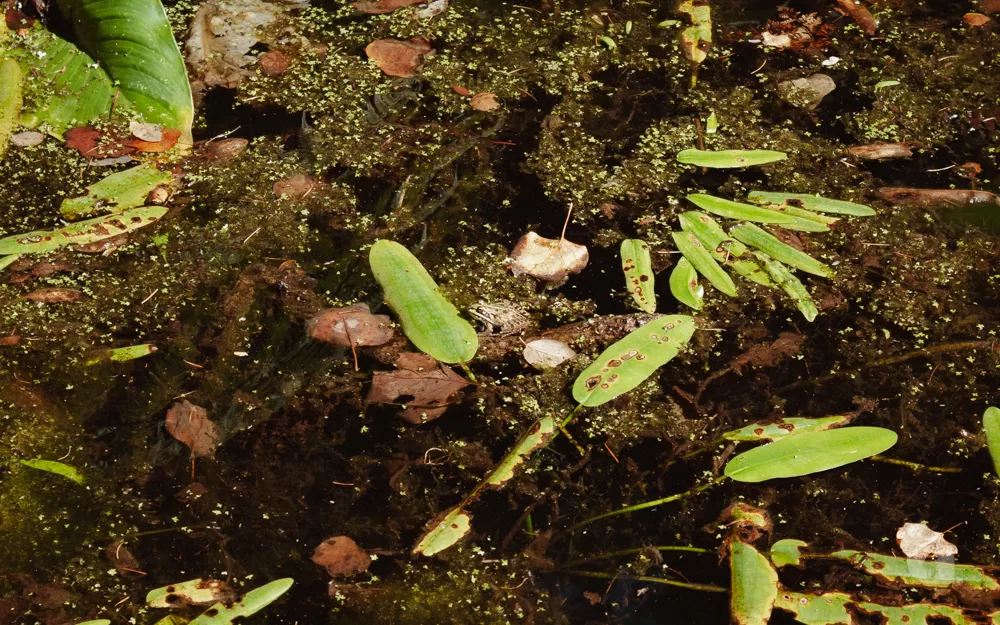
(378, 7)
(921, 542)
(484, 101)
(880, 151)
(424, 386)
(547, 353)
(273, 63)
(350, 324)
(397, 57)
(933, 198)
(55, 295)
(296, 187)
(190, 425)
(860, 14)
(551, 260)
(341, 557)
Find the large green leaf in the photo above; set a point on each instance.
(913, 572)
(627, 363)
(735, 210)
(82, 232)
(991, 424)
(10, 100)
(429, 320)
(251, 603)
(132, 41)
(754, 585)
(809, 453)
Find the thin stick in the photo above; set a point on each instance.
(627, 552)
(569, 211)
(648, 504)
(916, 466)
(651, 580)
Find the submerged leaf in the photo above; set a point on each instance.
(341, 557)
(423, 386)
(350, 325)
(190, 425)
(59, 468)
(638, 269)
(630, 361)
(788, 426)
(916, 540)
(428, 319)
(251, 603)
(809, 453)
(10, 100)
(754, 585)
(82, 232)
(397, 57)
(702, 261)
(684, 284)
(991, 425)
(729, 158)
(119, 191)
(446, 530)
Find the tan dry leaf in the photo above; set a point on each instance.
(975, 20)
(190, 425)
(921, 542)
(341, 557)
(551, 260)
(225, 149)
(146, 131)
(350, 324)
(880, 151)
(296, 187)
(273, 63)
(55, 295)
(484, 101)
(547, 353)
(378, 7)
(423, 385)
(397, 57)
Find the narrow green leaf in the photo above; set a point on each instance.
(787, 552)
(723, 247)
(791, 285)
(736, 210)
(133, 42)
(722, 159)
(7, 261)
(786, 427)
(82, 232)
(121, 354)
(809, 453)
(754, 585)
(638, 269)
(100, 621)
(684, 284)
(711, 124)
(913, 572)
(628, 363)
(172, 619)
(54, 466)
(991, 424)
(429, 320)
(10, 100)
(445, 531)
(536, 437)
(757, 237)
(251, 603)
(119, 191)
(702, 260)
(810, 202)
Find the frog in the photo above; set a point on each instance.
(501, 318)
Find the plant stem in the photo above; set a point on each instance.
(916, 466)
(648, 504)
(627, 552)
(651, 580)
(468, 372)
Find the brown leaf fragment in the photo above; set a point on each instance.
(860, 13)
(484, 101)
(91, 142)
(350, 324)
(421, 384)
(121, 557)
(296, 187)
(341, 557)
(190, 425)
(168, 139)
(225, 149)
(880, 151)
(551, 260)
(976, 20)
(273, 63)
(378, 7)
(931, 198)
(921, 542)
(397, 57)
(9, 340)
(55, 295)
(146, 131)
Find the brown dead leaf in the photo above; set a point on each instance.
(460, 90)
(190, 425)
(16, 20)
(9, 340)
(921, 542)
(378, 7)
(350, 324)
(273, 63)
(55, 295)
(860, 13)
(551, 260)
(121, 557)
(225, 149)
(484, 101)
(936, 198)
(92, 143)
(168, 139)
(976, 20)
(880, 151)
(399, 58)
(341, 557)
(296, 187)
(421, 384)
(146, 131)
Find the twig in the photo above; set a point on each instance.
(645, 578)
(916, 466)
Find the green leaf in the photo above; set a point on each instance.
(63, 87)
(786, 427)
(991, 424)
(172, 619)
(445, 531)
(736, 210)
(627, 363)
(100, 621)
(757, 237)
(10, 100)
(684, 284)
(809, 453)
(723, 247)
(251, 603)
(696, 39)
(82, 232)
(810, 202)
(122, 354)
(912, 572)
(54, 466)
(702, 260)
(754, 585)
(196, 591)
(120, 191)
(638, 269)
(724, 159)
(7, 261)
(826, 609)
(791, 285)
(133, 42)
(787, 552)
(429, 320)
(536, 437)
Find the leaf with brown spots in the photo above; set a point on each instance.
(421, 384)
(397, 57)
(341, 557)
(55, 295)
(190, 425)
(350, 324)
